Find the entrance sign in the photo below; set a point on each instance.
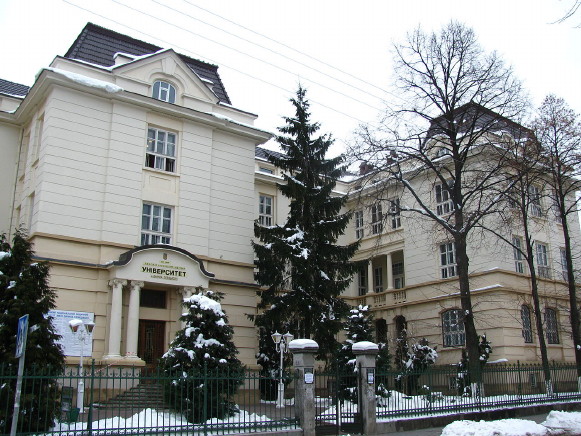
(69, 343)
(21, 335)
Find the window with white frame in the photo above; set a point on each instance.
(161, 150)
(444, 204)
(359, 231)
(265, 215)
(362, 281)
(448, 260)
(551, 326)
(395, 212)
(564, 269)
(376, 219)
(517, 247)
(156, 224)
(453, 328)
(535, 201)
(527, 326)
(164, 91)
(398, 275)
(378, 279)
(543, 260)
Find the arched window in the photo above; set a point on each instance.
(164, 91)
(453, 328)
(551, 328)
(527, 328)
(381, 330)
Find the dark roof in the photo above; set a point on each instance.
(263, 153)
(12, 88)
(98, 45)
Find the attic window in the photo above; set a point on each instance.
(164, 91)
(266, 170)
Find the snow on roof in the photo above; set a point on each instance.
(303, 344)
(364, 346)
(87, 81)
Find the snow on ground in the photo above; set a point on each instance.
(556, 424)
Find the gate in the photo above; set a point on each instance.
(336, 403)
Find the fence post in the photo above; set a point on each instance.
(304, 351)
(366, 352)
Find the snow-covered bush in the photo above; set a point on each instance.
(420, 356)
(202, 370)
(464, 379)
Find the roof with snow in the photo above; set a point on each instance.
(263, 153)
(98, 45)
(13, 89)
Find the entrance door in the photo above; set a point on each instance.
(151, 344)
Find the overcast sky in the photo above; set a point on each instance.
(339, 50)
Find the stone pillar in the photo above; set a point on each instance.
(133, 320)
(184, 293)
(370, 277)
(304, 351)
(366, 353)
(114, 351)
(389, 271)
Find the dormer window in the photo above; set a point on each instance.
(164, 91)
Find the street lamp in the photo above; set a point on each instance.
(82, 331)
(281, 342)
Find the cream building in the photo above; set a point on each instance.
(139, 182)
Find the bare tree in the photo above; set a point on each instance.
(559, 131)
(572, 10)
(457, 102)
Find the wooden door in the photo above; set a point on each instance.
(151, 344)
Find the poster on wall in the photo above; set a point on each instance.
(69, 341)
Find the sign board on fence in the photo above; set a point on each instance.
(21, 335)
(68, 341)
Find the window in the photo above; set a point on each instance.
(265, 170)
(453, 328)
(359, 232)
(378, 279)
(151, 298)
(448, 259)
(527, 328)
(156, 224)
(444, 203)
(543, 261)
(551, 328)
(265, 210)
(394, 211)
(381, 331)
(376, 219)
(362, 281)
(398, 275)
(556, 209)
(38, 131)
(564, 269)
(517, 247)
(164, 91)
(535, 201)
(161, 150)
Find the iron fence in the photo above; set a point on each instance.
(444, 390)
(135, 401)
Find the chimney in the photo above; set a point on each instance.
(365, 168)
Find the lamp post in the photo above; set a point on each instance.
(281, 342)
(82, 331)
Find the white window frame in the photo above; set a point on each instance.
(453, 333)
(395, 212)
(519, 265)
(398, 272)
(265, 210)
(448, 266)
(542, 252)
(164, 91)
(444, 204)
(156, 224)
(378, 279)
(527, 326)
(551, 326)
(362, 281)
(536, 208)
(359, 224)
(564, 270)
(376, 219)
(161, 150)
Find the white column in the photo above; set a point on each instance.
(370, 277)
(389, 271)
(185, 292)
(115, 319)
(133, 320)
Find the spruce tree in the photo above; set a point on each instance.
(202, 370)
(299, 263)
(24, 290)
